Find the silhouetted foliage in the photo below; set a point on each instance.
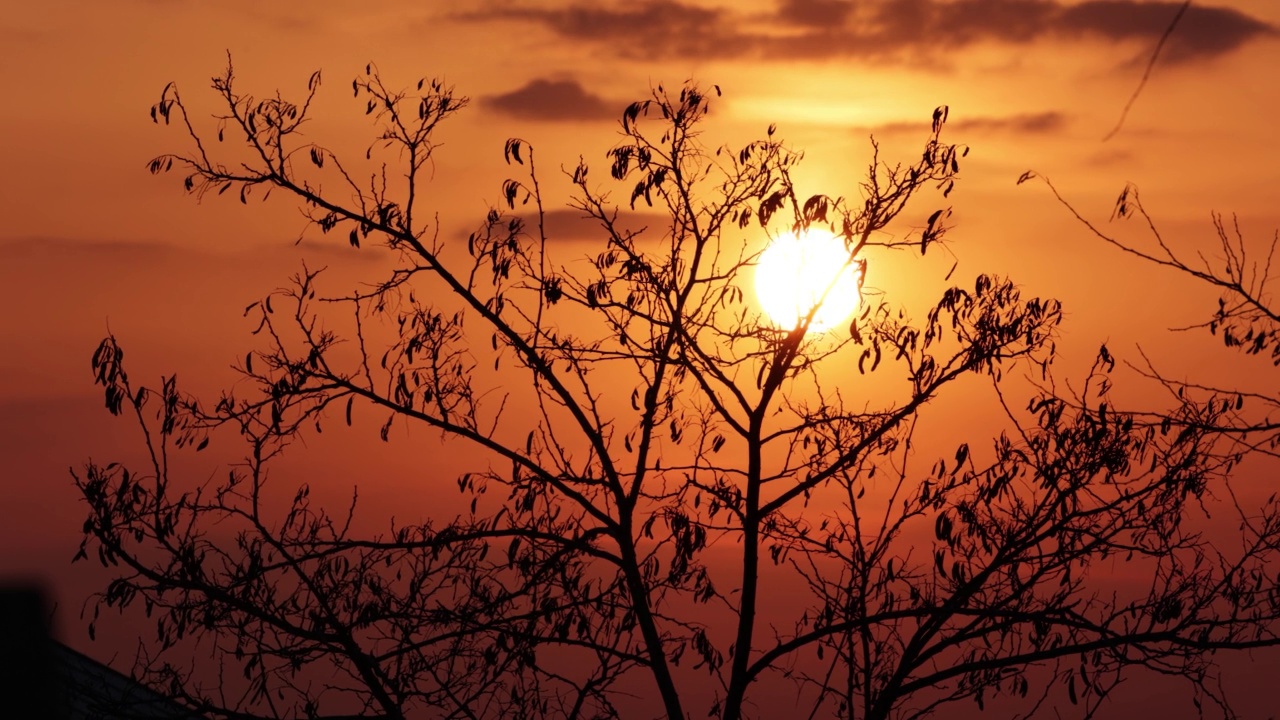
(1246, 318)
(653, 459)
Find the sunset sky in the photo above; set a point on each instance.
(91, 242)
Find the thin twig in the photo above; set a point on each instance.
(1146, 74)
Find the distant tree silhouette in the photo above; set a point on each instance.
(654, 460)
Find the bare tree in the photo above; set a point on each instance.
(635, 421)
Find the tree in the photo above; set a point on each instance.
(583, 571)
(1245, 319)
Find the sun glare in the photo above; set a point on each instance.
(795, 273)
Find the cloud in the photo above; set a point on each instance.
(1026, 124)
(16, 248)
(1032, 123)
(565, 225)
(888, 29)
(1111, 157)
(101, 253)
(552, 100)
(960, 128)
(814, 13)
(664, 28)
(1203, 31)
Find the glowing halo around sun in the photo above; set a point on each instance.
(793, 273)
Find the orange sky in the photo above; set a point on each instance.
(90, 239)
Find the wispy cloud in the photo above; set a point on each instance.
(1042, 123)
(15, 248)
(885, 29)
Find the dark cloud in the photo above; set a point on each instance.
(569, 225)
(566, 224)
(1203, 31)
(553, 100)
(889, 29)
(815, 13)
(18, 248)
(1111, 158)
(658, 29)
(593, 20)
(1028, 124)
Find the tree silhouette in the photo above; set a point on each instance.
(653, 460)
(1245, 320)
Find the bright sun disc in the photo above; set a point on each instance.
(794, 273)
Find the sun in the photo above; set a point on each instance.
(797, 272)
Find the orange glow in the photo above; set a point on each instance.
(93, 243)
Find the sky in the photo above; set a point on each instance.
(90, 242)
